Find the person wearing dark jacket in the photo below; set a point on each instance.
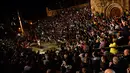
(95, 62)
(125, 60)
(104, 63)
(115, 65)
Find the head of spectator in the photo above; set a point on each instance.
(123, 22)
(104, 52)
(115, 60)
(118, 35)
(109, 71)
(102, 43)
(86, 55)
(95, 54)
(81, 55)
(129, 37)
(126, 52)
(128, 70)
(114, 40)
(65, 56)
(83, 70)
(49, 71)
(129, 43)
(103, 59)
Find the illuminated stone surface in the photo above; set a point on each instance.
(110, 7)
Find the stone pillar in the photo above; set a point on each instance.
(126, 4)
(102, 5)
(129, 4)
(122, 3)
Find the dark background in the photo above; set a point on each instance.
(34, 9)
(29, 10)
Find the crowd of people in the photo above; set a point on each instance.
(85, 37)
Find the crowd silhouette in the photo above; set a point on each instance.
(85, 37)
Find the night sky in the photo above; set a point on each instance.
(32, 9)
(28, 9)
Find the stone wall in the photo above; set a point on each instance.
(105, 6)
